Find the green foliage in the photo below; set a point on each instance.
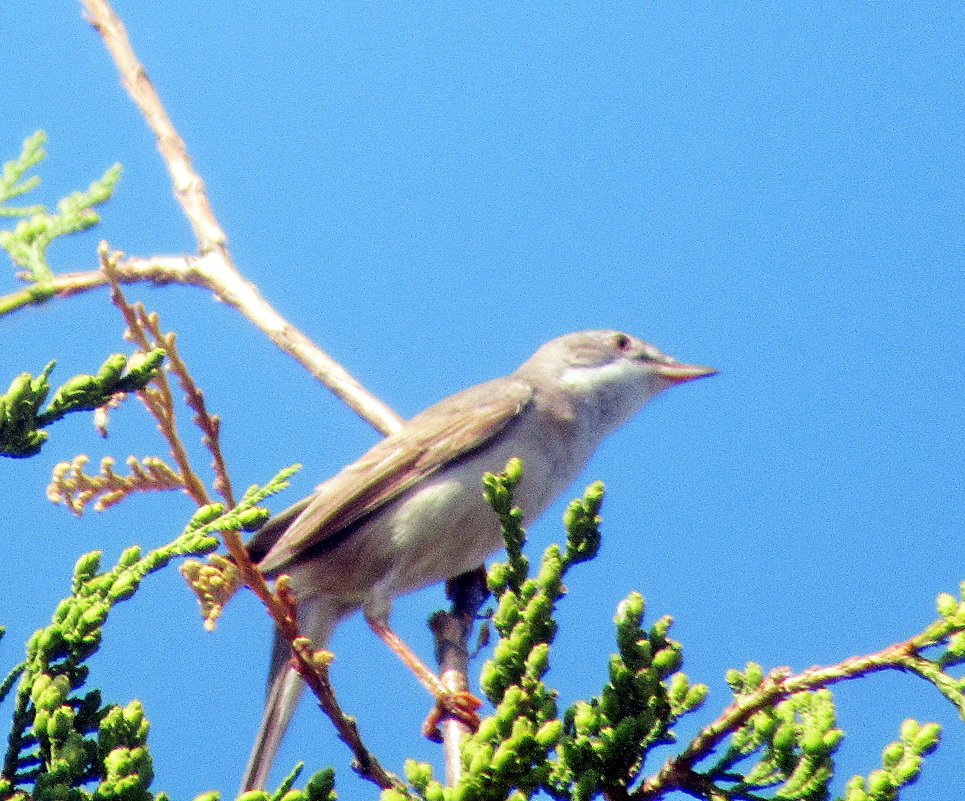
(62, 736)
(21, 418)
(608, 738)
(28, 242)
(12, 181)
(320, 787)
(598, 745)
(900, 764)
(947, 633)
(510, 749)
(795, 740)
(781, 728)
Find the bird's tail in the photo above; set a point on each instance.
(284, 692)
(318, 617)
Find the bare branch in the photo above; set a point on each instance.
(209, 424)
(200, 271)
(218, 272)
(451, 630)
(188, 186)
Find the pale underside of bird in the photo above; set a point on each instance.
(410, 512)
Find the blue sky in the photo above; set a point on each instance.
(429, 193)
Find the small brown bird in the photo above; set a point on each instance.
(410, 512)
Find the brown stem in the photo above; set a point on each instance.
(678, 773)
(315, 672)
(209, 424)
(452, 635)
(188, 186)
(157, 398)
(451, 631)
(312, 670)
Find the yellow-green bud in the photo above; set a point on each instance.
(251, 795)
(879, 783)
(946, 604)
(549, 733)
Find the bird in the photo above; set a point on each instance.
(410, 512)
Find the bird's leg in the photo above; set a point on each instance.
(462, 705)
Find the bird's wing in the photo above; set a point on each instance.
(265, 538)
(433, 438)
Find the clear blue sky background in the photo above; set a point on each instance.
(429, 194)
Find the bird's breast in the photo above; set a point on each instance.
(445, 527)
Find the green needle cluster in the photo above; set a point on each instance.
(63, 738)
(28, 242)
(900, 764)
(795, 739)
(608, 738)
(21, 418)
(320, 787)
(525, 747)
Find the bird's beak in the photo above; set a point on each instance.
(676, 373)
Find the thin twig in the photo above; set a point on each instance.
(188, 187)
(312, 669)
(219, 273)
(203, 272)
(209, 424)
(157, 396)
(451, 633)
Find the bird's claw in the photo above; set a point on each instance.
(460, 705)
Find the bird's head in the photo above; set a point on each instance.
(609, 373)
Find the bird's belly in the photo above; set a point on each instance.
(433, 532)
(446, 527)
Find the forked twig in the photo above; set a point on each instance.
(157, 396)
(678, 772)
(209, 424)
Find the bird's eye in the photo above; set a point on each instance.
(622, 342)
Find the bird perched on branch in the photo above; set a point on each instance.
(410, 512)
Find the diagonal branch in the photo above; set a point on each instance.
(188, 186)
(215, 269)
(678, 772)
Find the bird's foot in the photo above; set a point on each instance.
(460, 705)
